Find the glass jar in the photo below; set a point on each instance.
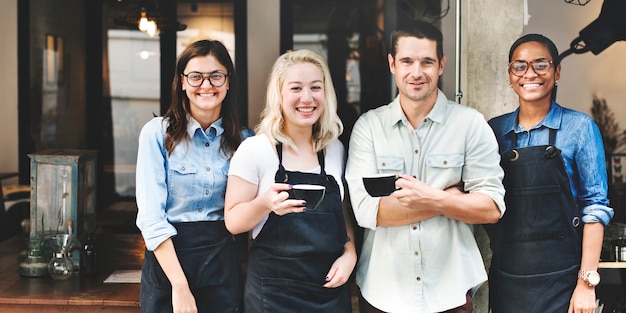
(32, 263)
(60, 266)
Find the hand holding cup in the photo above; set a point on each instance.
(312, 194)
(380, 185)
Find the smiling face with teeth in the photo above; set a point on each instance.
(533, 88)
(205, 101)
(302, 95)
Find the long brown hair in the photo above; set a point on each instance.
(179, 110)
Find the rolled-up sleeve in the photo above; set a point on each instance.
(151, 187)
(482, 172)
(592, 182)
(361, 161)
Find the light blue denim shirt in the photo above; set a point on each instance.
(187, 186)
(426, 266)
(579, 139)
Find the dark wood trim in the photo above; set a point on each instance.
(94, 73)
(241, 57)
(286, 25)
(25, 142)
(167, 38)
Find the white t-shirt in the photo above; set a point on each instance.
(257, 162)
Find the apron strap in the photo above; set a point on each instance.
(320, 159)
(281, 168)
(552, 136)
(281, 174)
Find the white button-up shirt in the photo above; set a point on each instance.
(427, 266)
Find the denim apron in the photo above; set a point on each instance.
(292, 254)
(208, 255)
(537, 243)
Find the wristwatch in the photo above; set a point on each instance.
(592, 278)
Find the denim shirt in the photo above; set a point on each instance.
(187, 186)
(580, 141)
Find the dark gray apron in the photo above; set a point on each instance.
(537, 243)
(292, 254)
(208, 255)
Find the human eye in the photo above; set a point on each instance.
(194, 76)
(317, 84)
(428, 62)
(217, 76)
(541, 65)
(405, 61)
(519, 66)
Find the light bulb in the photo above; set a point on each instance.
(143, 22)
(152, 28)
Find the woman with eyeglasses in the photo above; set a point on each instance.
(191, 262)
(546, 247)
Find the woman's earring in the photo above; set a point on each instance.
(556, 83)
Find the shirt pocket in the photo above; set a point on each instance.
(182, 179)
(389, 164)
(445, 169)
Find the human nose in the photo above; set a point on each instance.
(206, 79)
(416, 70)
(306, 96)
(530, 71)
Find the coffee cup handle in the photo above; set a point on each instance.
(398, 177)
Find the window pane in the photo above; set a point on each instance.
(134, 72)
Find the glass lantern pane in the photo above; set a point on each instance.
(54, 194)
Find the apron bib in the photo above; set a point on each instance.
(537, 243)
(291, 255)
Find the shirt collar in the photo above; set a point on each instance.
(437, 114)
(552, 119)
(215, 128)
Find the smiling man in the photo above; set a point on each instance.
(419, 253)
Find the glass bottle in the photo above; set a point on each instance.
(90, 264)
(60, 266)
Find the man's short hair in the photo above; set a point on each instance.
(418, 29)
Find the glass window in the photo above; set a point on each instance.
(133, 74)
(134, 84)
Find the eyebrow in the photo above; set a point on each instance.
(535, 60)
(209, 73)
(299, 82)
(417, 59)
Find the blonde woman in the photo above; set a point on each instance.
(300, 258)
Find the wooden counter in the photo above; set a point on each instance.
(79, 293)
(612, 265)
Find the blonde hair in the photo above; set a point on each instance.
(326, 129)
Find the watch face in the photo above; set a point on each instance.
(593, 278)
